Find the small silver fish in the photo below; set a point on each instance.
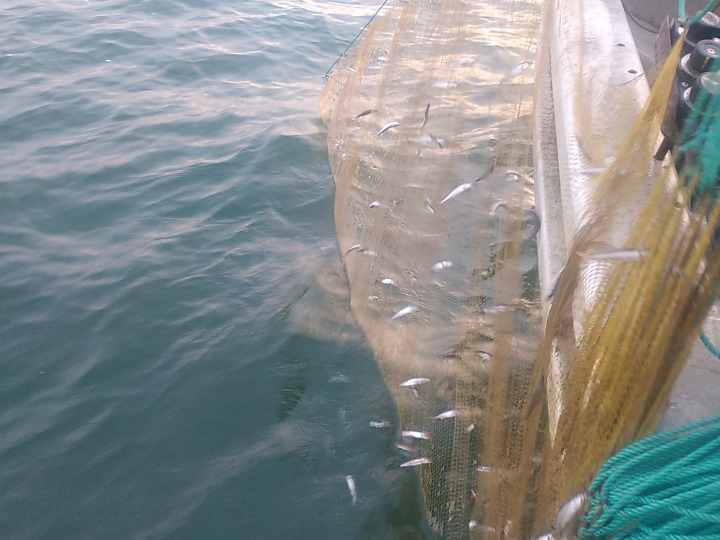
(407, 310)
(445, 84)
(428, 138)
(441, 266)
(374, 204)
(472, 499)
(427, 111)
(380, 425)
(414, 382)
(352, 248)
(373, 298)
(416, 435)
(621, 255)
(517, 70)
(411, 448)
(484, 356)
(428, 206)
(493, 309)
(487, 528)
(496, 205)
(544, 536)
(447, 414)
(388, 281)
(386, 127)
(415, 462)
(468, 60)
(364, 113)
(351, 486)
(485, 468)
(569, 514)
(457, 191)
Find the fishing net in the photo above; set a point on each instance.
(440, 209)
(508, 403)
(648, 307)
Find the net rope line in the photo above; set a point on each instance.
(342, 54)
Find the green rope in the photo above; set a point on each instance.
(699, 15)
(665, 486)
(710, 347)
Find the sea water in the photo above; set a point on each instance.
(177, 355)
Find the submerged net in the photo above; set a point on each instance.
(440, 209)
(430, 137)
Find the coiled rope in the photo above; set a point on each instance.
(666, 486)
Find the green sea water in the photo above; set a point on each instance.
(177, 356)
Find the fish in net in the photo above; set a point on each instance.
(430, 139)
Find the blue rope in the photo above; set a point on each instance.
(710, 347)
(665, 486)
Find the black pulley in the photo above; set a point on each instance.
(708, 82)
(684, 107)
(707, 27)
(705, 53)
(685, 73)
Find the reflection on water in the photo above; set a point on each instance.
(177, 352)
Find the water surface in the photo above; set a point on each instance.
(176, 350)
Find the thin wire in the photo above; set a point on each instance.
(342, 54)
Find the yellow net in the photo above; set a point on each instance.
(649, 305)
(435, 218)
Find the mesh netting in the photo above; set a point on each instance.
(440, 208)
(430, 141)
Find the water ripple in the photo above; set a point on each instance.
(165, 199)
